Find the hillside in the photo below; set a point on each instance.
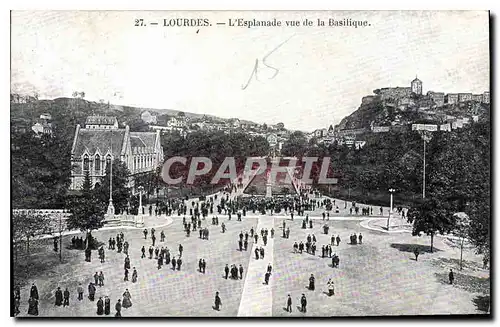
(374, 111)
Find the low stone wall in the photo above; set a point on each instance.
(124, 221)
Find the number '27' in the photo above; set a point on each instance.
(139, 22)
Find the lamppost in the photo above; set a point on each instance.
(140, 200)
(111, 207)
(60, 237)
(391, 190)
(426, 136)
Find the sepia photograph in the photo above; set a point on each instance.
(236, 164)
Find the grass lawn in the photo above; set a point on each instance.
(378, 277)
(161, 292)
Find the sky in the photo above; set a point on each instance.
(319, 74)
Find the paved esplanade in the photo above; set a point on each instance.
(257, 298)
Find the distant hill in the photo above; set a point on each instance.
(79, 109)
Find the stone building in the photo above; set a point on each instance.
(462, 97)
(437, 97)
(101, 122)
(477, 98)
(486, 97)
(451, 98)
(416, 86)
(393, 92)
(93, 149)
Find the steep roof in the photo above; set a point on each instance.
(142, 139)
(136, 141)
(91, 140)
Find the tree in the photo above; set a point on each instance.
(121, 191)
(41, 173)
(296, 145)
(431, 216)
(313, 141)
(138, 125)
(181, 114)
(459, 174)
(150, 181)
(87, 211)
(26, 225)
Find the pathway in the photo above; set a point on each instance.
(257, 298)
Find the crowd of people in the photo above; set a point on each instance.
(198, 211)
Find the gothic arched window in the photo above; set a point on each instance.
(86, 163)
(97, 163)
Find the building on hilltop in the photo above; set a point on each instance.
(380, 129)
(176, 122)
(486, 97)
(331, 130)
(393, 92)
(101, 122)
(416, 86)
(462, 97)
(46, 116)
(319, 133)
(368, 99)
(445, 127)
(477, 98)
(94, 148)
(42, 128)
(437, 97)
(451, 98)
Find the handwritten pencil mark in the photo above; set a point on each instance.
(256, 66)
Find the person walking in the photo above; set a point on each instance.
(134, 276)
(79, 290)
(66, 297)
(241, 271)
(303, 304)
(118, 308)
(311, 283)
(266, 277)
(59, 297)
(217, 302)
(289, 304)
(107, 305)
(100, 307)
(127, 302)
(101, 279)
(91, 291)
